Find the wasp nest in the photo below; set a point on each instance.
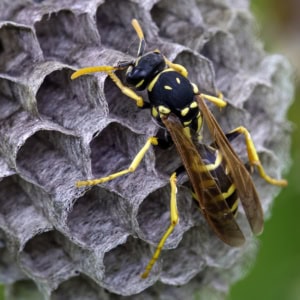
(94, 243)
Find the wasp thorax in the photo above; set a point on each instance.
(145, 69)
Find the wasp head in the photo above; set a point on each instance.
(144, 69)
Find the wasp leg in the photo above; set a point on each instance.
(110, 72)
(174, 221)
(253, 156)
(218, 101)
(177, 67)
(126, 90)
(134, 164)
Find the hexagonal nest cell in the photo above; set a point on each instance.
(60, 241)
(44, 257)
(19, 48)
(57, 37)
(62, 100)
(94, 222)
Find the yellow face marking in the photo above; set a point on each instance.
(154, 112)
(177, 80)
(164, 110)
(140, 83)
(185, 111)
(167, 87)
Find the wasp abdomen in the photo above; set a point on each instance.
(224, 188)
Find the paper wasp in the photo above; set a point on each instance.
(218, 177)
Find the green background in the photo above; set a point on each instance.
(276, 273)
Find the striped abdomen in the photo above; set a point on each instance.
(221, 188)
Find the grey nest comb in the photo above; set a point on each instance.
(72, 243)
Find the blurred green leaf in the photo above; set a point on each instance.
(1, 292)
(276, 274)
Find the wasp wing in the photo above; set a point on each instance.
(237, 171)
(213, 205)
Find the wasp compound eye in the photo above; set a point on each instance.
(135, 75)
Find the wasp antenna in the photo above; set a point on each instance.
(135, 24)
(89, 70)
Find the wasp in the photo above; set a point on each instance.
(218, 177)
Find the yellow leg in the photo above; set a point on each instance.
(179, 68)
(254, 159)
(135, 163)
(126, 90)
(218, 101)
(174, 221)
(110, 71)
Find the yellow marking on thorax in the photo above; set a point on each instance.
(154, 80)
(163, 109)
(194, 104)
(195, 88)
(167, 87)
(154, 112)
(178, 80)
(185, 111)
